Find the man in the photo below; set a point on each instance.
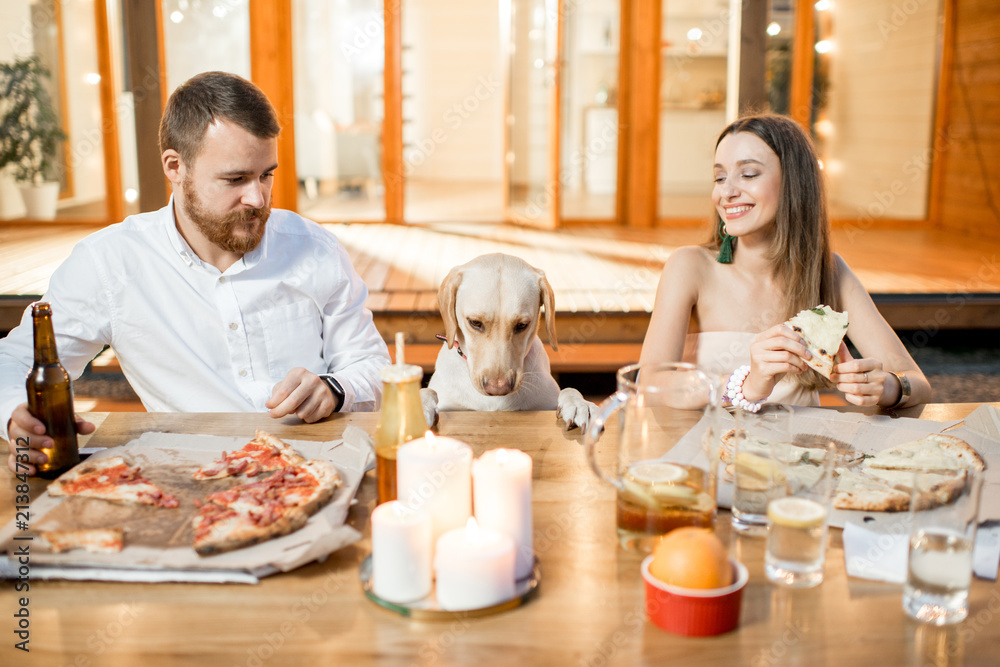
(214, 303)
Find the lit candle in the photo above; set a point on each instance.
(474, 568)
(401, 552)
(502, 499)
(434, 474)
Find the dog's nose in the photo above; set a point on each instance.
(497, 385)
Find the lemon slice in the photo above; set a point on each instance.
(656, 472)
(758, 466)
(796, 512)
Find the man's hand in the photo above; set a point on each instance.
(24, 429)
(301, 393)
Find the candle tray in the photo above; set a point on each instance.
(427, 609)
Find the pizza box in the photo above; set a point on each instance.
(866, 434)
(158, 540)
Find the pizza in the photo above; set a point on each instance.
(93, 540)
(256, 511)
(933, 452)
(884, 481)
(265, 453)
(822, 329)
(112, 479)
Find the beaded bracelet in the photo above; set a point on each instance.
(734, 390)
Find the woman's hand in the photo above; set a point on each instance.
(773, 353)
(861, 380)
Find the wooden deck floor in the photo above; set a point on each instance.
(604, 278)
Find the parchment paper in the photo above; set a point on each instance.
(158, 541)
(867, 434)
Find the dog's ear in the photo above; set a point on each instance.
(549, 301)
(447, 296)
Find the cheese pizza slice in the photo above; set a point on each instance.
(111, 478)
(260, 510)
(933, 452)
(92, 540)
(265, 453)
(822, 329)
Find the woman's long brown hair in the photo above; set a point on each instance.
(800, 253)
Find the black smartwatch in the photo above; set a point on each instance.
(335, 389)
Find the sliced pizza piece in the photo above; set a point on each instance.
(856, 491)
(261, 510)
(822, 329)
(934, 452)
(265, 453)
(938, 488)
(93, 540)
(112, 479)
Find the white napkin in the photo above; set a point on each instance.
(872, 555)
(884, 556)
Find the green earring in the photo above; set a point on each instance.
(725, 255)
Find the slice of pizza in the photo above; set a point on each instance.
(261, 510)
(265, 453)
(856, 491)
(933, 452)
(111, 478)
(93, 540)
(822, 329)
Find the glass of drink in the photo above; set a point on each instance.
(657, 404)
(798, 512)
(752, 464)
(941, 539)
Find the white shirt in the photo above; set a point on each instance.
(192, 339)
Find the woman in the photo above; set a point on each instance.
(723, 305)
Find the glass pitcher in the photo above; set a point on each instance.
(657, 406)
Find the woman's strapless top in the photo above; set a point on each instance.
(722, 352)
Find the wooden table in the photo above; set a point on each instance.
(589, 610)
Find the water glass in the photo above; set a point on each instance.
(939, 571)
(753, 466)
(798, 512)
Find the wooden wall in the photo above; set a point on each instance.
(968, 199)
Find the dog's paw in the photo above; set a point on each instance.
(574, 409)
(429, 403)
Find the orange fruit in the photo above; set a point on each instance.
(691, 558)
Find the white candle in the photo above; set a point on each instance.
(502, 500)
(401, 552)
(434, 474)
(474, 568)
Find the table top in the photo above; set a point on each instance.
(589, 609)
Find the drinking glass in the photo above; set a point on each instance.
(798, 512)
(752, 464)
(656, 405)
(939, 572)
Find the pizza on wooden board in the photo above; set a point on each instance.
(265, 453)
(822, 328)
(111, 478)
(263, 509)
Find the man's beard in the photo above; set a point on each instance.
(233, 232)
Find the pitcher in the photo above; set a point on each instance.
(658, 405)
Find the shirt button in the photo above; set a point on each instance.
(243, 373)
(233, 326)
(222, 279)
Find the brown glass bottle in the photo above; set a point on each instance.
(50, 396)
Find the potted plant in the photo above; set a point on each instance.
(30, 134)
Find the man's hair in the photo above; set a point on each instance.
(801, 252)
(209, 97)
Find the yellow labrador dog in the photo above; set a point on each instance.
(492, 358)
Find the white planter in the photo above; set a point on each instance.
(40, 200)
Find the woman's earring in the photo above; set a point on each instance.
(725, 255)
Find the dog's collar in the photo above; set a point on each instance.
(458, 348)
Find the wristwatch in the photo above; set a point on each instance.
(335, 389)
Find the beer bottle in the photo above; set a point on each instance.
(50, 396)
(401, 420)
